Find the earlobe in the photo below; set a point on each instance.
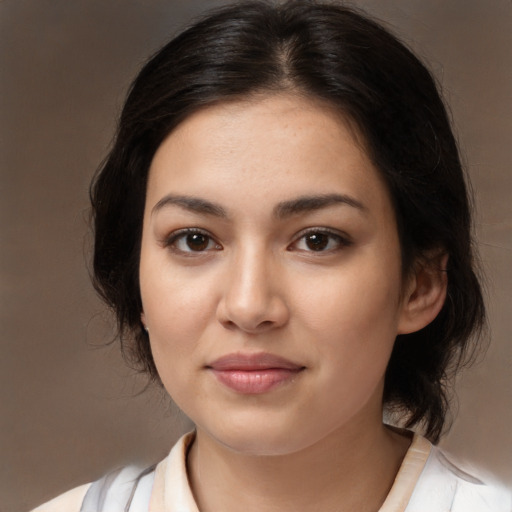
(425, 294)
(143, 320)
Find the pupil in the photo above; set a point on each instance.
(317, 241)
(197, 242)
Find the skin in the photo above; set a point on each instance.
(319, 285)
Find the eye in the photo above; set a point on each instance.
(191, 240)
(320, 240)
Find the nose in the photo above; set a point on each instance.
(254, 295)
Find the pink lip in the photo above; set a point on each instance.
(253, 373)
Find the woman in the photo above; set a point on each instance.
(283, 230)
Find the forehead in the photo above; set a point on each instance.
(265, 146)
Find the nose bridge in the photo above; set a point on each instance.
(251, 275)
(253, 298)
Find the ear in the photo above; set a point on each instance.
(425, 293)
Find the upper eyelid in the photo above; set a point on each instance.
(343, 238)
(325, 230)
(184, 231)
(174, 235)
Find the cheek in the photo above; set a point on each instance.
(356, 300)
(354, 333)
(172, 312)
(355, 316)
(174, 299)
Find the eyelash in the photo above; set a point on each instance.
(341, 241)
(182, 234)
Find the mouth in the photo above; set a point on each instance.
(254, 373)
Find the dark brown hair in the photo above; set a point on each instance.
(340, 56)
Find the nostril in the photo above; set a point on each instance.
(229, 324)
(262, 326)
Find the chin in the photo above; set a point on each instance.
(262, 438)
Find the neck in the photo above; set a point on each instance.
(350, 469)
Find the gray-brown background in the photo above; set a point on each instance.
(69, 408)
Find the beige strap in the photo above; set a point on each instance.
(157, 503)
(408, 475)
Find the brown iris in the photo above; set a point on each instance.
(317, 241)
(197, 241)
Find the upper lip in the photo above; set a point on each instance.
(253, 362)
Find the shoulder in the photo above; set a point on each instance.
(127, 488)
(70, 501)
(130, 488)
(444, 483)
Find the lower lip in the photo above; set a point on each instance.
(253, 382)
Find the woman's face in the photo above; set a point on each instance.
(270, 274)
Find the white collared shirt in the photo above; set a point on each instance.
(426, 482)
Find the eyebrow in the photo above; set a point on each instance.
(193, 204)
(300, 205)
(307, 204)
